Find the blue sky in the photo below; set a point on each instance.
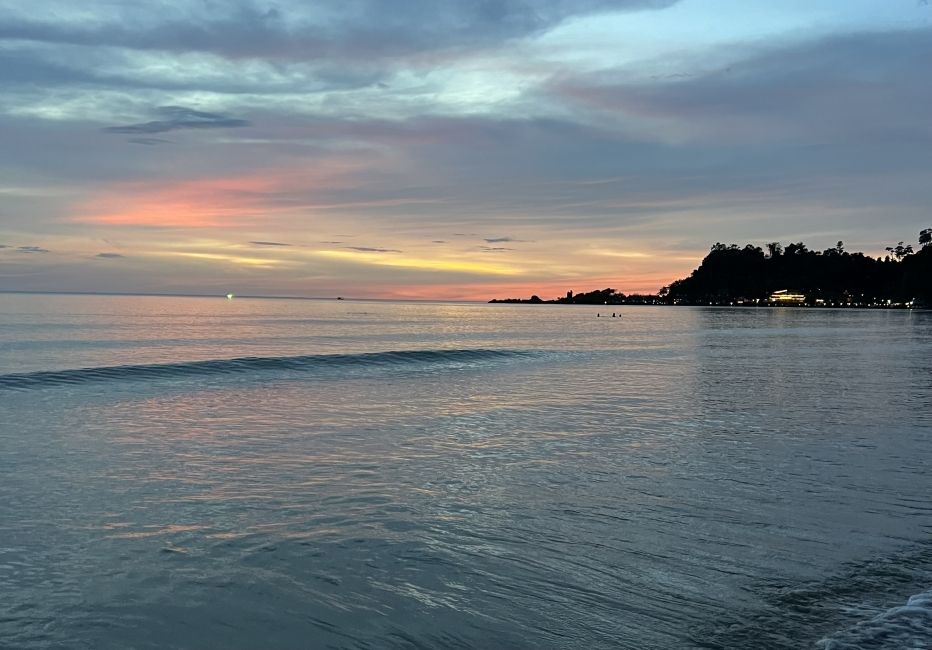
(450, 149)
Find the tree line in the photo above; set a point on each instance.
(730, 274)
(733, 274)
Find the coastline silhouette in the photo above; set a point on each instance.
(792, 275)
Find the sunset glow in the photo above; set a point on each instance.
(469, 156)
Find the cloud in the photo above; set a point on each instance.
(31, 249)
(204, 201)
(502, 240)
(109, 256)
(774, 138)
(367, 249)
(26, 66)
(268, 243)
(438, 241)
(862, 87)
(149, 141)
(180, 118)
(329, 29)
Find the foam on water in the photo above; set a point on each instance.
(907, 627)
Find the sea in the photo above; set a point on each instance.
(190, 472)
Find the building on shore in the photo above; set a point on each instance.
(787, 297)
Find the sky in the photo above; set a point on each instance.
(450, 149)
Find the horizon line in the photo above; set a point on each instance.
(143, 294)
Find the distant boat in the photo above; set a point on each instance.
(339, 297)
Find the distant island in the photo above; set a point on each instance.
(597, 297)
(790, 275)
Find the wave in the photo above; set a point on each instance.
(851, 609)
(23, 381)
(906, 626)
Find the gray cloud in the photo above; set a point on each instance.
(149, 141)
(854, 87)
(268, 243)
(23, 65)
(502, 240)
(594, 178)
(576, 177)
(179, 118)
(32, 249)
(367, 249)
(109, 256)
(832, 131)
(336, 29)
(29, 67)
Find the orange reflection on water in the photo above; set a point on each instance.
(157, 531)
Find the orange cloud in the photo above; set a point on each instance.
(215, 201)
(196, 203)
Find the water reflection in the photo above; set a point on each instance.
(669, 480)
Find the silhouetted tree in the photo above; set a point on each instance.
(796, 249)
(917, 276)
(729, 273)
(597, 297)
(925, 237)
(899, 251)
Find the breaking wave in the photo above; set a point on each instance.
(408, 358)
(899, 628)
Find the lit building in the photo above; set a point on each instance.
(786, 297)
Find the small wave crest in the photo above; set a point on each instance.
(907, 626)
(25, 381)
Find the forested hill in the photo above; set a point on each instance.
(734, 274)
(793, 275)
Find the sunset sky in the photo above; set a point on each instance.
(450, 148)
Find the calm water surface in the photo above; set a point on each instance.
(204, 473)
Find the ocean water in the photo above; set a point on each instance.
(205, 473)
